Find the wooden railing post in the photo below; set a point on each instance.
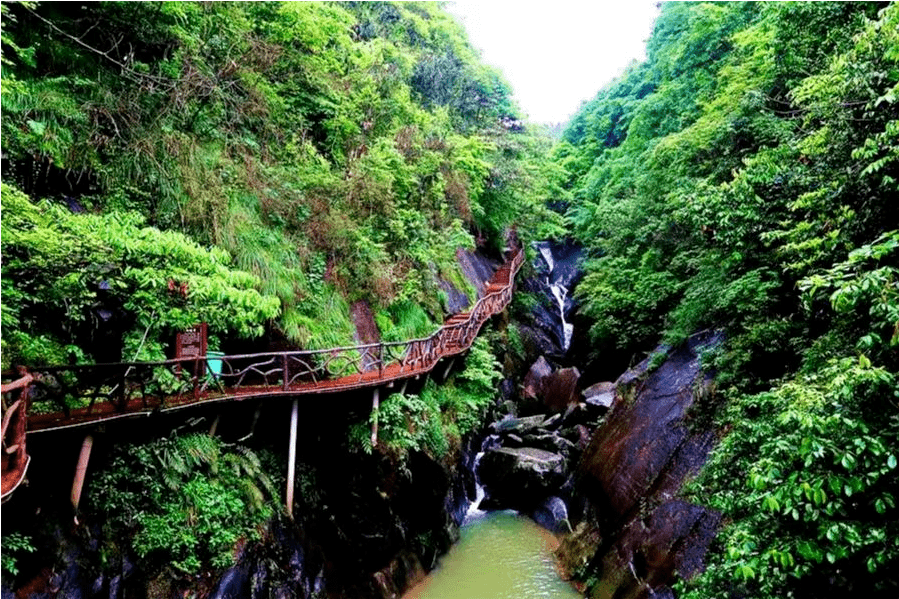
(292, 456)
(449, 367)
(197, 375)
(81, 471)
(286, 383)
(375, 403)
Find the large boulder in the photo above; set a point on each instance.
(547, 441)
(553, 515)
(600, 394)
(520, 478)
(532, 386)
(512, 425)
(537, 338)
(559, 390)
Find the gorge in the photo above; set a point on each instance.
(688, 392)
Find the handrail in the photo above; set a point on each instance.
(14, 458)
(82, 394)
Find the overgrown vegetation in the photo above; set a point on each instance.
(438, 417)
(14, 545)
(181, 502)
(74, 282)
(744, 178)
(336, 151)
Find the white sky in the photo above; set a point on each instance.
(557, 54)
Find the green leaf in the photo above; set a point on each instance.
(37, 127)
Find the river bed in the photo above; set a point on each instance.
(500, 555)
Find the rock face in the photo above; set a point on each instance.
(600, 394)
(517, 426)
(559, 390)
(557, 266)
(634, 466)
(555, 390)
(553, 515)
(477, 268)
(380, 526)
(520, 478)
(532, 386)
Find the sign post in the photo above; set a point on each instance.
(192, 344)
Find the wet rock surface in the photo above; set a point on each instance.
(631, 471)
(532, 387)
(520, 478)
(557, 266)
(512, 425)
(600, 394)
(528, 467)
(560, 389)
(644, 447)
(477, 268)
(552, 515)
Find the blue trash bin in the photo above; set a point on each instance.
(214, 360)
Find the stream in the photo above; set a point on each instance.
(501, 555)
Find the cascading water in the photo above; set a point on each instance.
(473, 510)
(560, 292)
(547, 254)
(558, 280)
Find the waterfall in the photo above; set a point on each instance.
(474, 512)
(547, 254)
(559, 291)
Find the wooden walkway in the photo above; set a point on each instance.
(66, 397)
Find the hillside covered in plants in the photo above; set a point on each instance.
(744, 179)
(257, 166)
(267, 167)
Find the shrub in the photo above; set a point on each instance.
(184, 500)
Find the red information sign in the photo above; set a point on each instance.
(192, 342)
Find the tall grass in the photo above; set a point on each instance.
(320, 321)
(404, 320)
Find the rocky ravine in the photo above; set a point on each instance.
(636, 535)
(610, 480)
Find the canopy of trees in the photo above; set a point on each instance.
(744, 178)
(319, 152)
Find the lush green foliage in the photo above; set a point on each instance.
(809, 478)
(435, 419)
(337, 151)
(14, 544)
(744, 178)
(184, 501)
(69, 278)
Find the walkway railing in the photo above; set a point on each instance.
(14, 458)
(72, 396)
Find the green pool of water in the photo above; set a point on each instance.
(501, 555)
